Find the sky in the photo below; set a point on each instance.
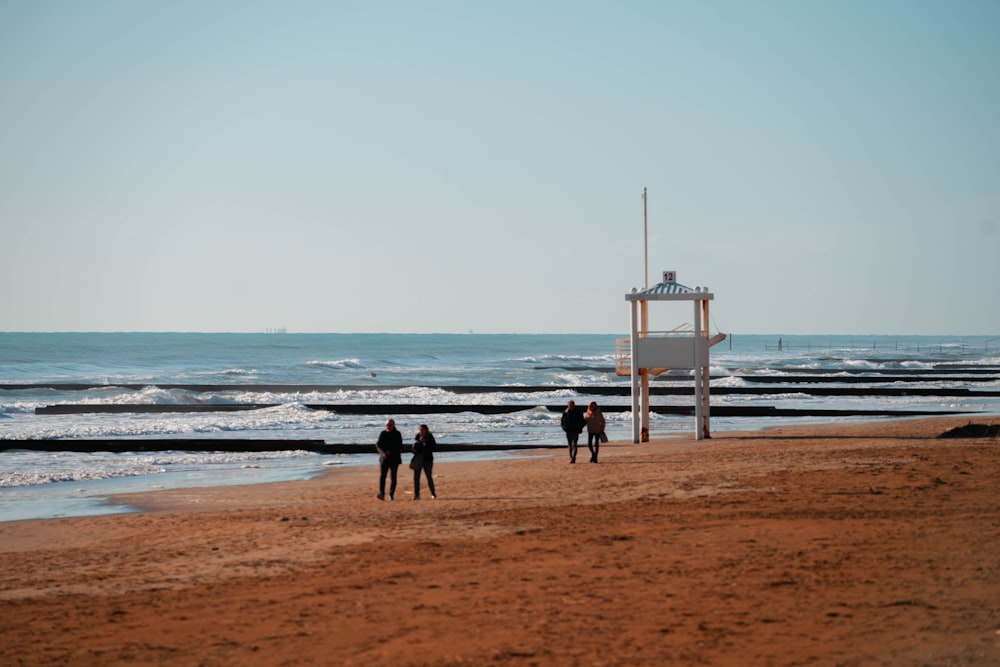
(821, 166)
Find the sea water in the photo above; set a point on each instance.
(390, 369)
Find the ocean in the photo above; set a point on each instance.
(142, 387)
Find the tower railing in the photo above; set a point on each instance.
(623, 356)
(623, 348)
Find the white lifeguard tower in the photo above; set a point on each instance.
(647, 353)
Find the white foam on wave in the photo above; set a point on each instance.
(223, 372)
(415, 395)
(340, 364)
(37, 468)
(286, 417)
(289, 415)
(30, 468)
(861, 364)
(572, 379)
(731, 381)
(18, 408)
(575, 358)
(149, 396)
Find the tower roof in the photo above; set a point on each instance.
(670, 291)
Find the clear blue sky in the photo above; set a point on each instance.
(823, 167)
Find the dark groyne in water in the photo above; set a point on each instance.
(124, 445)
(431, 409)
(810, 385)
(976, 374)
(839, 382)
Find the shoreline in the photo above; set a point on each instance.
(97, 497)
(857, 544)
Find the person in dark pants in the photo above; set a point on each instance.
(595, 429)
(423, 455)
(390, 449)
(573, 423)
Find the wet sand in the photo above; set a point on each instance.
(870, 544)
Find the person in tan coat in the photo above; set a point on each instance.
(595, 429)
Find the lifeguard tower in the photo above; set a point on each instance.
(647, 353)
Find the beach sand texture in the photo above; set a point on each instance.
(868, 544)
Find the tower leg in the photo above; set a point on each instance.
(636, 417)
(697, 368)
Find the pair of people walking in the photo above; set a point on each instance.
(574, 420)
(390, 456)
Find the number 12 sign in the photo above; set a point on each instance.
(669, 276)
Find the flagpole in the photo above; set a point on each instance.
(645, 243)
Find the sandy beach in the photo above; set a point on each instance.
(869, 544)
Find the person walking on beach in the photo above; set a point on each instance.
(573, 423)
(595, 429)
(390, 449)
(423, 460)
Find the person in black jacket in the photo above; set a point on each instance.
(573, 423)
(390, 449)
(423, 459)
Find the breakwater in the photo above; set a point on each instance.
(945, 383)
